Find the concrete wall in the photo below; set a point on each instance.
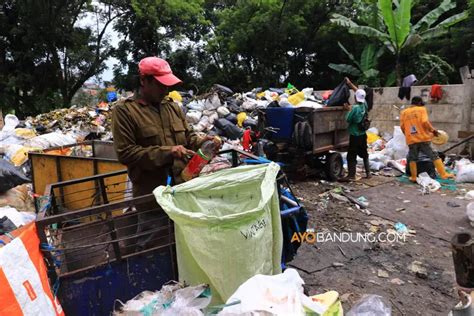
(446, 114)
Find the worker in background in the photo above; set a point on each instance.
(357, 135)
(152, 138)
(419, 132)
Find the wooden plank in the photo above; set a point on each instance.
(465, 134)
(45, 172)
(115, 185)
(80, 195)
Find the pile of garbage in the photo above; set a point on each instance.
(280, 294)
(225, 113)
(82, 120)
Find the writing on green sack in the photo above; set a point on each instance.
(252, 231)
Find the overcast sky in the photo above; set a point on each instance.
(90, 20)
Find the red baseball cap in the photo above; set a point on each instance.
(159, 69)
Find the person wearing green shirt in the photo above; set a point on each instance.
(357, 136)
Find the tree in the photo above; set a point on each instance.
(47, 53)
(398, 33)
(152, 28)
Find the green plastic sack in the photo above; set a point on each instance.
(227, 227)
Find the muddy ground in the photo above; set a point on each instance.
(386, 269)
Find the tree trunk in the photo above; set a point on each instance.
(1, 119)
(398, 71)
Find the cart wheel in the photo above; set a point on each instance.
(334, 167)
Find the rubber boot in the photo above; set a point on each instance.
(351, 170)
(413, 171)
(367, 168)
(441, 171)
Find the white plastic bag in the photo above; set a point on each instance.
(249, 104)
(54, 139)
(280, 294)
(212, 103)
(469, 195)
(427, 184)
(213, 117)
(470, 213)
(11, 121)
(465, 171)
(371, 305)
(203, 124)
(398, 144)
(196, 105)
(193, 117)
(17, 218)
(223, 111)
(373, 130)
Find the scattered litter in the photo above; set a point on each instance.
(337, 264)
(397, 281)
(172, 299)
(362, 199)
(469, 195)
(406, 201)
(401, 228)
(400, 209)
(371, 305)
(382, 274)
(470, 213)
(453, 204)
(280, 294)
(427, 184)
(418, 268)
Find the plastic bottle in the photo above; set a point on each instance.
(199, 160)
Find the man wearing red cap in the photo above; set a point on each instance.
(151, 136)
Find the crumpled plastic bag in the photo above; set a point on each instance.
(212, 103)
(193, 116)
(464, 171)
(196, 105)
(203, 124)
(10, 177)
(428, 185)
(49, 140)
(397, 146)
(213, 117)
(280, 294)
(17, 218)
(17, 154)
(19, 198)
(296, 98)
(249, 104)
(223, 111)
(371, 305)
(175, 96)
(241, 117)
(170, 300)
(10, 122)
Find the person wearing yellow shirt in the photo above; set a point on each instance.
(419, 132)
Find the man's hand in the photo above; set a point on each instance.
(347, 107)
(435, 133)
(217, 140)
(180, 151)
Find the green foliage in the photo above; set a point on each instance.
(398, 33)
(365, 70)
(45, 55)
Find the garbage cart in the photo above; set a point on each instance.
(92, 254)
(309, 136)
